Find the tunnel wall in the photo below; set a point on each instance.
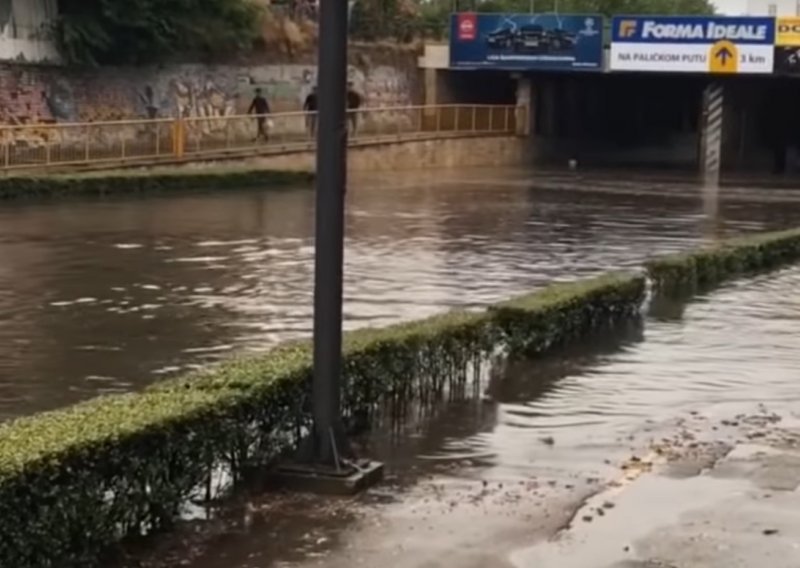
(652, 120)
(638, 119)
(616, 120)
(761, 130)
(444, 86)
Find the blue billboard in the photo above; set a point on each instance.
(526, 41)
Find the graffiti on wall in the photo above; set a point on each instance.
(30, 94)
(38, 95)
(380, 86)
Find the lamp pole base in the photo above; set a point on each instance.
(350, 479)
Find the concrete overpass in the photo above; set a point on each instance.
(693, 122)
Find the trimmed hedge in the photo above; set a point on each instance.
(534, 323)
(156, 181)
(689, 272)
(74, 482)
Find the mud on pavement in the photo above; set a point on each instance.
(711, 489)
(717, 492)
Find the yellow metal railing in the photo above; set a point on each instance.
(36, 146)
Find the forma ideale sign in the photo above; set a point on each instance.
(692, 44)
(526, 41)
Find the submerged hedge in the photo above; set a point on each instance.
(686, 273)
(156, 181)
(74, 482)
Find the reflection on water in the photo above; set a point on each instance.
(484, 477)
(107, 296)
(571, 410)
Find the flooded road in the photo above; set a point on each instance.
(108, 296)
(683, 433)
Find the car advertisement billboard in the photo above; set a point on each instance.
(787, 46)
(691, 44)
(526, 41)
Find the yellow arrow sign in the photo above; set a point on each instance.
(724, 57)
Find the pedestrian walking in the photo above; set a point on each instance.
(260, 107)
(354, 101)
(311, 106)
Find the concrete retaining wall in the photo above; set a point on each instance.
(409, 155)
(32, 94)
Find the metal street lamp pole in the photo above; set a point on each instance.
(328, 444)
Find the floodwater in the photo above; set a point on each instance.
(109, 296)
(504, 480)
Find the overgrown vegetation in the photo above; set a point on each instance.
(141, 31)
(94, 32)
(372, 20)
(76, 481)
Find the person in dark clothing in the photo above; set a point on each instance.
(260, 107)
(353, 105)
(311, 106)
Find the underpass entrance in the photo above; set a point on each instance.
(617, 120)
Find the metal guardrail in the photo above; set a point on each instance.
(35, 146)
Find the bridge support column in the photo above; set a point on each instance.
(548, 126)
(431, 84)
(525, 102)
(711, 133)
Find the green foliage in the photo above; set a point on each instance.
(532, 324)
(118, 183)
(688, 272)
(75, 482)
(141, 31)
(371, 20)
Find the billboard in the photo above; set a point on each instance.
(787, 46)
(526, 41)
(690, 44)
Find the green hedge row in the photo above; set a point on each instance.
(74, 482)
(689, 272)
(120, 183)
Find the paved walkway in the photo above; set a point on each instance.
(720, 492)
(710, 490)
(146, 157)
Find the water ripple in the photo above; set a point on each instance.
(163, 285)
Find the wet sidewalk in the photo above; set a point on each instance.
(707, 490)
(672, 444)
(718, 493)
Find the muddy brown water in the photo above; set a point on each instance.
(492, 481)
(109, 296)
